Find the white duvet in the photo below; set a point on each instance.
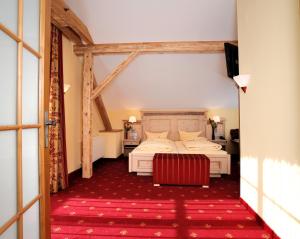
(157, 145)
(201, 145)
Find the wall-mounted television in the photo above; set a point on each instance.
(232, 59)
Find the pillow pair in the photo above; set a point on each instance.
(156, 135)
(189, 136)
(184, 135)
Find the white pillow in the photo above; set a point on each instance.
(201, 139)
(156, 135)
(186, 136)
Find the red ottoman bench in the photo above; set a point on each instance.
(181, 169)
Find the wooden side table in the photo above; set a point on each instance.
(129, 145)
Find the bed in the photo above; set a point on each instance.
(141, 158)
(219, 159)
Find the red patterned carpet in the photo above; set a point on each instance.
(116, 204)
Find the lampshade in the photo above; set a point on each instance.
(242, 81)
(217, 119)
(132, 119)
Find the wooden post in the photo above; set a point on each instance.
(87, 167)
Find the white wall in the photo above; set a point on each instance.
(269, 44)
(72, 68)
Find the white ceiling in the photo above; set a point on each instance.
(168, 81)
(157, 20)
(163, 80)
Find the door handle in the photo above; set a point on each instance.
(50, 122)
(47, 124)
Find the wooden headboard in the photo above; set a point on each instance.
(175, 120)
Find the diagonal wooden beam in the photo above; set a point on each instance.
(102, 110)
(154, 47)
(114, 74)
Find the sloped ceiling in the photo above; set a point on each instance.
(163, 80)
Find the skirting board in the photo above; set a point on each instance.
(260, 220)
(78, 172)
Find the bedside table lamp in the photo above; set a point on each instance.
(132, 132)
(132, 119)
(214, 123)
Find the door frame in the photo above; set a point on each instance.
(45, 70)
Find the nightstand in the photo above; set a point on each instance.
(129, 145)
(222, 142)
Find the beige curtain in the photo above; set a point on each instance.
(57, 139)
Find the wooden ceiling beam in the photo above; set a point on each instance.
(66, 20)
(76, 24)
(96, 92)
(70, 34)
(154, 47)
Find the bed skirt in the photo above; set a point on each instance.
(181, 169)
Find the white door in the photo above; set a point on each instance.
(22, 178)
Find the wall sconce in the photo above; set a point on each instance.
(242, 81)
(66, 88)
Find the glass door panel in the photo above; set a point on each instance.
(30, 91)
(31, 222)
(30, 165)
(9, 14)
(8, 175)
(31, 29)
(8, 80)
(10, 233)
